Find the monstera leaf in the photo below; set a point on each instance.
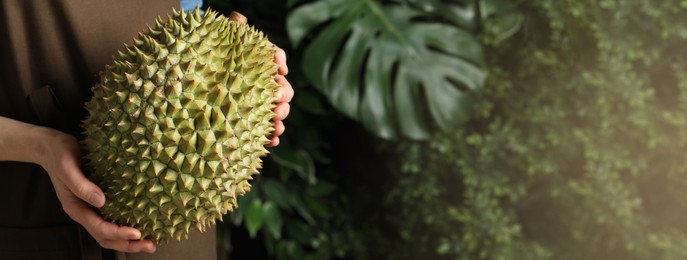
(396, 68)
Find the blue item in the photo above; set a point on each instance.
(189, 5)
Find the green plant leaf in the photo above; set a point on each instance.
(501, 18)
(298, 160)
(276, 192)
(297, 202)
(254, 217)
(321, 188)
(243, 202)
(507, 25)
(300, 232)
(427, 5)
(295, 251)
(394, 74)
(309, 102)
(273, 220)
(491, 7)
(318, 207)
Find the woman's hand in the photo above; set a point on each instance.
(284, 96)
(61, 159)
(59, 154)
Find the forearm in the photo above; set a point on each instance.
(22, 142)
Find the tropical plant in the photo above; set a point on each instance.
(398, 67)
(575, 147)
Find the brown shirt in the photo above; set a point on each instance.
(50, 54)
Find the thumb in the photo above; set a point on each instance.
(81, 186)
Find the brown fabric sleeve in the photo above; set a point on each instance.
(62, 44)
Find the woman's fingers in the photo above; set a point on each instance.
(128, 246)
(113, 232)
(108, 235)
(96, 225)
(278, 128)
(76, 192)
(69, 173)
(282, 111)
(83, 188)
(284, 95)
(280, 59)
(274, 142)
(285, 92)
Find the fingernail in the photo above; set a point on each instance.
(97, 199)
(135, 236)
(150, 249)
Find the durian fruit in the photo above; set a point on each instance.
(178, 123)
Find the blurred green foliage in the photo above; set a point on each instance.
(573, 148)
(576, 148)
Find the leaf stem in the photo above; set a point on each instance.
(478, 17)
(390, 27)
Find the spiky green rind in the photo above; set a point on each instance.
(179, 121)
